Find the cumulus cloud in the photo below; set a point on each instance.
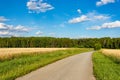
(38, 6)
(2, 19)
(79, 11)
(104, 2)
(91, 16)
(5, 33)
(115, 24)
(10, 30)
(39, 33)
(20, 28)
(79, 19)
(3, 26)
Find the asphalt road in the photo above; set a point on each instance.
(78, 67)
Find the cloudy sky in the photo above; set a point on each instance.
(60, 18)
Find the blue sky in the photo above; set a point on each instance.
(60, 18)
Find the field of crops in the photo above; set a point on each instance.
(107, 64)
(11, 52)
(114, 53)
(11, 68)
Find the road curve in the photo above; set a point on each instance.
(77, 67)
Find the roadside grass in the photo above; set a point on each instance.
(20, 65)
(10, 53)
(105, 67)
(114, 54)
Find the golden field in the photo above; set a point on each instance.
(9, 52)
(111, 52)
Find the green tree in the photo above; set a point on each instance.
(97, 46)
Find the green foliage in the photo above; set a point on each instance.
(18, 66)
(97, 46)
(58, 42)
(105, 68)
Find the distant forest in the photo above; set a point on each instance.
(45, 42)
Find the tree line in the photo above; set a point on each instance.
(45, 42)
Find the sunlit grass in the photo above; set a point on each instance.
(23, 64)
(113, 53)
(9, 53)
(105, 67)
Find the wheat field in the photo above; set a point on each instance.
(111, 52)
(107, 62)
(9, 52)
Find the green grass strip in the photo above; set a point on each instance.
(105, 67)
(18, 66)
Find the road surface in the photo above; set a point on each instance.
(77, 67)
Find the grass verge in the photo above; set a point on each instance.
(105, 67)
(12, 68)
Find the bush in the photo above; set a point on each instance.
(97, 46)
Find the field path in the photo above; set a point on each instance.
(77, 67)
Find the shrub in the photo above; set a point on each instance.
(97, 46)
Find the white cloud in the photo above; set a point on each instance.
(3, 26)
(78, 19)
(5, 33)
(111, 24)
(10, 30)
(91, 16)
(104, 2)
(79, 11)
(101, 17)
(39, 33)
(2, 19)
(38, 6)
(115, 24)
(20, 28)
(96, 16)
